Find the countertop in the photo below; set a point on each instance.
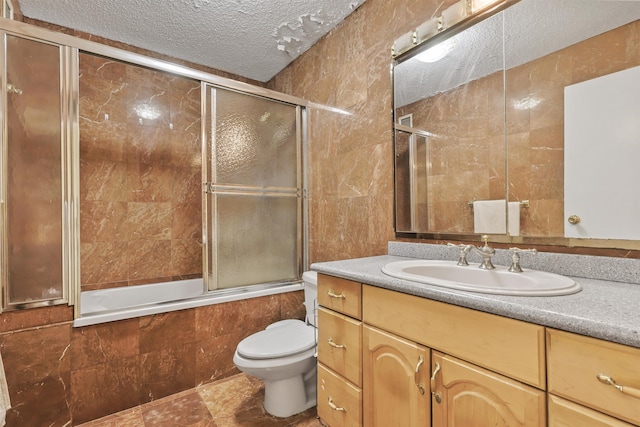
(603, 309)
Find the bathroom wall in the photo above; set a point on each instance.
(351, 177)
(351, 155)
(140, 175)
(59, 375)
(535, 138)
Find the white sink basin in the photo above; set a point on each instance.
(471, 278)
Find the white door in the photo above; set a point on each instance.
(602, 129)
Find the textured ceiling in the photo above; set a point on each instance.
(532, 28)
(251, 38)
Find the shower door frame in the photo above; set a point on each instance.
(72, 46)
(210, 189)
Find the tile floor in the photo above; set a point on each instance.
(232, 402)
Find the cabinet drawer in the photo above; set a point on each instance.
(574, 363)
(340, 344)
(339, 403)
(507, 346)
(341, 295)
(563, 413)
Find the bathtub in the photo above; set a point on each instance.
(107, 305)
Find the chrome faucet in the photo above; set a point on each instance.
(515, 258)
(486, 252)
(464, 250)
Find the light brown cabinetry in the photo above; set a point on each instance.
(339, 352)
(563, 413)
(395, 381)
(379, 349)
(576, 362)
(467, 395)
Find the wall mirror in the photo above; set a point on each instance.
(522, 122)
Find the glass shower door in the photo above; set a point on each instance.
(253, 188)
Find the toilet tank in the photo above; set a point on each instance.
(310, 279)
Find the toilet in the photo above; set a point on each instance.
(284, 357)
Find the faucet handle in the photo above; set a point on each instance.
(464, 250)
(515, 258)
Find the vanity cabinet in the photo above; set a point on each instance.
(462, 391)
(339, 351)
(576, 362)
(391, 358)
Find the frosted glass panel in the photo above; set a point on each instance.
(257, 239)
(34, 183)
(255, 141)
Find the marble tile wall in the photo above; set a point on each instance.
(140, 175)
(57, 373)
(351, 177)
(352, 162)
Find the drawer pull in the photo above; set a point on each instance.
(416, 376)
(630, 391)
(334, 407)
(334, 345)
(334, 295)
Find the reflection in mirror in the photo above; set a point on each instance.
(502, 111)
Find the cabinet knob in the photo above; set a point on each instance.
(573, 219)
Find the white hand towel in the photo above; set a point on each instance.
(490, 217)
(5, 402)
(514, 218)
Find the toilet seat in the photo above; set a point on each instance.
(280, 340)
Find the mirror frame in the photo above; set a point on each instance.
(561, 241)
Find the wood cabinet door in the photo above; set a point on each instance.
(466, 395)
(395, 381)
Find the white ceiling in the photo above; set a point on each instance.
(251, 38)
(532, 29)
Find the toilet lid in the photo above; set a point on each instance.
(278, 341)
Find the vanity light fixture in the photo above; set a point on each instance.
(454, 14)
(403, 43)
(476, 5)
(427, 29)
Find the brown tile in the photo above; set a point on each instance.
(103, 221)
(128, 418)
(167, 371)
(103, 389)
(149, 145)
(214, 357)
(41, 401)
(168, 329)
(149, 183)
(103, 180)
(247, 316)
(186, 221)
(148, 221)
(148, 259)
(292, 305)
(22, 319)
(99, 344)
(183, 409)
(104, 262)
(186, 256)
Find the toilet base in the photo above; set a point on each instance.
(290, 396)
